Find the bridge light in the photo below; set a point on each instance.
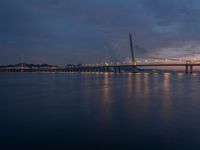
(107, 64)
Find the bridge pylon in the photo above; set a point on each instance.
(132, 51)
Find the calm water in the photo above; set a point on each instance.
(99, 111)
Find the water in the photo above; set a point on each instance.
(99, 111)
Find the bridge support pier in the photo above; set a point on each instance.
(107, 69)
(191, 68)
(115, 69)
(119, 69)
(188, 68)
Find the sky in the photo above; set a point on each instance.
(89, 31)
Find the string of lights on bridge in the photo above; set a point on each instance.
(146, 61)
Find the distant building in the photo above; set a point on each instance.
(70, 66)
(79, 65)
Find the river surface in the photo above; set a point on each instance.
(99, 111)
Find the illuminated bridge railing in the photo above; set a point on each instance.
(146, 62)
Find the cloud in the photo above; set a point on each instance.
(60, 31)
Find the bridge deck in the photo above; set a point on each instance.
(142, 65)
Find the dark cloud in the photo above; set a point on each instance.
(65, 31)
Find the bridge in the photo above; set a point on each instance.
(115, 68)
(118, 68)
(106, 67)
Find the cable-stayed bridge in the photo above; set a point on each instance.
(107, 67)
(133, 65)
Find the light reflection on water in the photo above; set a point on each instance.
(106, 99)
(166, 102)
(108, 111)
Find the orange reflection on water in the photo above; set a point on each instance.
(166, 85)
(130, 84)
(137, 86)
(106, 88)
(166, 100)
(106, 98)
(146, 84)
